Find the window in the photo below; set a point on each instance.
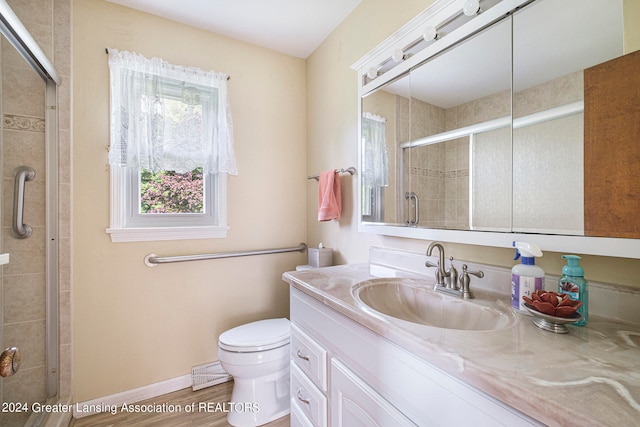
(375, 167)
(171, 150)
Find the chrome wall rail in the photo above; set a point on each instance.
(152, 260)
(22, 175)
(350, 170)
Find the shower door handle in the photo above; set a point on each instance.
(416, 208)
(22, 175)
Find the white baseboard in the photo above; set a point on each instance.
(106, 403)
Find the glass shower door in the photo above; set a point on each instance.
(23, 280)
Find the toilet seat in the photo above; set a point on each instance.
(256, 336)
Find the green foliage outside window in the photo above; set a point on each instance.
(171, 192)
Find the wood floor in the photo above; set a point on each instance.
(211, 398)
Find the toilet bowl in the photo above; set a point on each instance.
(256, 355)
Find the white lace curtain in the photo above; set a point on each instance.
(376, 164)
(169, 117)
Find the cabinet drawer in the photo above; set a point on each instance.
(297, 417)
(309, 357)
(308, 399)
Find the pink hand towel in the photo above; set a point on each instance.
(329, 196)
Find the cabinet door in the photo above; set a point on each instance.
(354, 403)
(611, 149)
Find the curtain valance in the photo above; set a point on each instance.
(169, 117)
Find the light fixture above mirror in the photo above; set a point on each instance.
(446, 19)
(430, 33)
(471, 7)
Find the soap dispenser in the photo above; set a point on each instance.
(573, 284)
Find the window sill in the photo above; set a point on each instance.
(166, 233)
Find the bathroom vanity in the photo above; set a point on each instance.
(353, 366)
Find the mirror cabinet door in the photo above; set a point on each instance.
(384, 121)
(548, 117)
(450, 164)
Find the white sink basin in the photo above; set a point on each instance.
(416, 302)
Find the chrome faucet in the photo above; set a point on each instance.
(440, 273)
(447, 281)
(447, 278)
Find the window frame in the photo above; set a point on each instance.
(127, 224)
(124, 228)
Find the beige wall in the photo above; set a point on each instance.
(332, 120)
(631, 27)
(332, 117)
(134, 325)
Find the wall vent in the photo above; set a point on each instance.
(208, 375)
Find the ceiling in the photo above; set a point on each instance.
(294, 27)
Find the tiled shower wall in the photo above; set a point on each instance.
(439, 173)
(23, 143)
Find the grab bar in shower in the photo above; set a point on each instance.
(152, 260)
(22, 175)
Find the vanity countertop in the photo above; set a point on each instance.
(590, 376)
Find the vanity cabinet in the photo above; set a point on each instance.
(354, 403)
(313, 367)
(342, 373)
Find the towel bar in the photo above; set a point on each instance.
(350, 170)
(152, 260)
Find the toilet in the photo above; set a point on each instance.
(257, 356)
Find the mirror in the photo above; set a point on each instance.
(548, 130)
(475, 139)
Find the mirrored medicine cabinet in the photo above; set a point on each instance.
(518, 121)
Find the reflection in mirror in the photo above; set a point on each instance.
(450, 125)
(548, 154)
(460, 110)
(382, 119)
(444, 122)
(375, 170)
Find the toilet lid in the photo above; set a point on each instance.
(256, 336)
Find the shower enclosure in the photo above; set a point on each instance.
(29, 323)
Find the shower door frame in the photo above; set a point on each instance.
(23, 42)
(52, 345)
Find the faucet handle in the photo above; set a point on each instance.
(430, 264)
(479, 273)
(465, 281)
